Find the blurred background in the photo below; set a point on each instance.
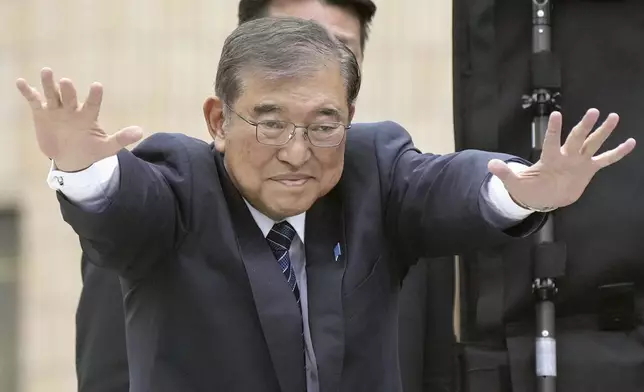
(157, 61)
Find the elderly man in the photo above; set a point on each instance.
(426, 336)
(268, 260)
(101, 359)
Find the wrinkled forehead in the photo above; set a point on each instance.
(296, 97)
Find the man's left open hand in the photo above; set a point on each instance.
(562, 173)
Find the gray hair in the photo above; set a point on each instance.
(282, 47)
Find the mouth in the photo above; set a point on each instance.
(292, 181)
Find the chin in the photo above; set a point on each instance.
(290, 201)
(295, 207)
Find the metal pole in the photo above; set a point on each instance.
(543, 103)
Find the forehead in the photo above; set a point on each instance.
(295, 96)
(341, 22)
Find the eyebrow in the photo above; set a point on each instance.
(266, 108)
(269, 108)
(330, 112)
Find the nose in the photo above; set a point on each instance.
(297, 151)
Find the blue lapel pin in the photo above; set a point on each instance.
(336, 251)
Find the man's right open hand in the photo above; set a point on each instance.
(67, 131)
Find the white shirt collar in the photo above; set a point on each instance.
(266, 224)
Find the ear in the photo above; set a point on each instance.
(213, 111)
(352, 112)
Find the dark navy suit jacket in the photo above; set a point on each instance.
(205, 311)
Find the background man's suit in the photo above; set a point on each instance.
(207, 309)
(427, 343)
(101, 358)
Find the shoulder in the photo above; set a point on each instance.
(378, 139)
(168, 145)
(373, 148)
(361, 132)
(168, 141)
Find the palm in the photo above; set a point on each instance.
(60, 129)
(67, 131)
(563, 172)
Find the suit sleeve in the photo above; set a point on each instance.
(144, 219)
(434, 203)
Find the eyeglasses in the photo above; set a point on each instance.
(279, 133)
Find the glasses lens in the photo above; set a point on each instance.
(273, 132)
(326, 135)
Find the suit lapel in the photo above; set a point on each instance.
(324, 241)
(277, 309)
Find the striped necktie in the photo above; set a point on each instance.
(279, 239)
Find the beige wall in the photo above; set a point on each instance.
(157, 60)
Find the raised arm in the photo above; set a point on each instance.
(442, 205)
(143, 219)
(125, 206)
(439, 205)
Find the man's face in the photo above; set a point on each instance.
(339, 21)
(282, 181)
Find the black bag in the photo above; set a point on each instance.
(600, 303)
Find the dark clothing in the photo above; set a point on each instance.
(101, 359)
(426, 335)
(205, 310)
(599, 47)
(426, 328)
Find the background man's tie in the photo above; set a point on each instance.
(279, 239)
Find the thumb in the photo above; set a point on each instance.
(125, 137)
(501, 170)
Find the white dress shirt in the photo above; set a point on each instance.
(92, 188)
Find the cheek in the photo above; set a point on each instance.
(247, 163)
(331, 164)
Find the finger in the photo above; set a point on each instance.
(122, 139)
(68, 94)
(31, 94)
(552, 140)
(577, 136)
(50, 88)
(594, 142)
(502, 170)
(92, 104)
(615, 155)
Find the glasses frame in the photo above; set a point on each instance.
(305, 132)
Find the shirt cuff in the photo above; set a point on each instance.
(500, 200)
(90, 188)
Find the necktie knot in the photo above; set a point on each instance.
(281, 236)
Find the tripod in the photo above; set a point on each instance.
(543, 101)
